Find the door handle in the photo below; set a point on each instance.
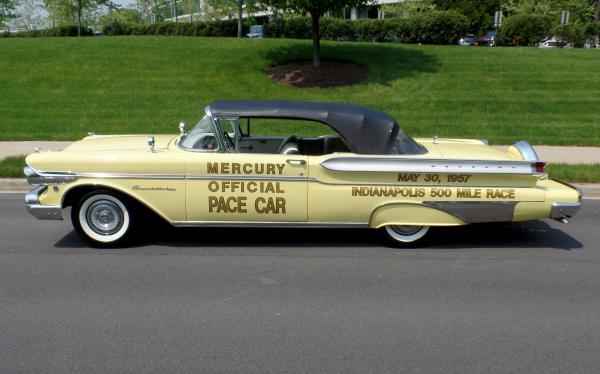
(296, 162)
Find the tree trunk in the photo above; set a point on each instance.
(240, 21)
(79, 18)
(316, 38)
(597, 15)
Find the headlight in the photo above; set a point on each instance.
(29, 172)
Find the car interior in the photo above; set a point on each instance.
(245, 138)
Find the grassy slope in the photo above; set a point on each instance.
(12, 167)
(60, 88)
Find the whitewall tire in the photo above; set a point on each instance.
(102, 218)
(401, 235)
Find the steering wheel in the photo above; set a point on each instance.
(230, 143)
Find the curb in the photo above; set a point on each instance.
(18, 185)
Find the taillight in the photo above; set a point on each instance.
(539, 167)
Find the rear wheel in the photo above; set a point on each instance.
(405, 236)
(102, 218)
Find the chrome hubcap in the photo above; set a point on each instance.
(104, 217)
(406, 230)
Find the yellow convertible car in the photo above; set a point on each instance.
(231, 170)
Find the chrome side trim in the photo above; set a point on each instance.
(404, 184)
(477, 211)
(526, 151)
(41, 177)
(69, 177)
(372, 164)
(246, 177)
(562, 211)
(130, 176)
(44, 212)
(268, 224)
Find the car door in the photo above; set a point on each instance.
(225, 186)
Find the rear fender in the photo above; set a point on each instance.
(411, 214)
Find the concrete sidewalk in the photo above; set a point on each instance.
(550, 154)
(23, 148)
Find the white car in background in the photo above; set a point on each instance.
(553, 42)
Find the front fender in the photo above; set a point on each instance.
(165, 197)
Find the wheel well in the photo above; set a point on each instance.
(75, 194)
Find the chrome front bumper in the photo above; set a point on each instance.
(32, 201)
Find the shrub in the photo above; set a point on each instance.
(591, 34)
(439, 27)
(524, 29)
(573, 34)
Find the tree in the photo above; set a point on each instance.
(316, 8)
(29, 15)
(7, 11)
(408, 8)
(480, 13)
(580, 10)
(64, 12)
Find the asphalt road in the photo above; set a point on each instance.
(503, 298)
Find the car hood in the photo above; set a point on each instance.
(119, 143)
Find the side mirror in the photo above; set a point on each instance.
(181, 128)
(150, 142)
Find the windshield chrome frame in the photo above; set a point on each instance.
(218, 136)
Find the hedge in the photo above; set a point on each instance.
(439, 27)
(524, 30)
(213, 28)
(69, 30)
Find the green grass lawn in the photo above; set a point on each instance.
(12, 167)
(61, 88)
(574, 173)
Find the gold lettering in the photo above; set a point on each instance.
(408, 177)
(212, 167)
(213, 186)
(235, 168)
(213, 202)
(270, 205)
(269, 188)
(270, 169)
(251, 186)
(280, 168)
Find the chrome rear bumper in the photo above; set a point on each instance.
(563, 211)
(45, 212)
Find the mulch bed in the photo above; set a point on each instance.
(330, 74)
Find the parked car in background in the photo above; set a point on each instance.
(488, 39)
(256, 32)
(468, 39)
(553, 42)
(593, 42)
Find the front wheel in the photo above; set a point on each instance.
(102, 219)
(405, 236)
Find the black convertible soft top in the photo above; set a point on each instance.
(364, 130)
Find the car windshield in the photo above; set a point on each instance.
(202, 137)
